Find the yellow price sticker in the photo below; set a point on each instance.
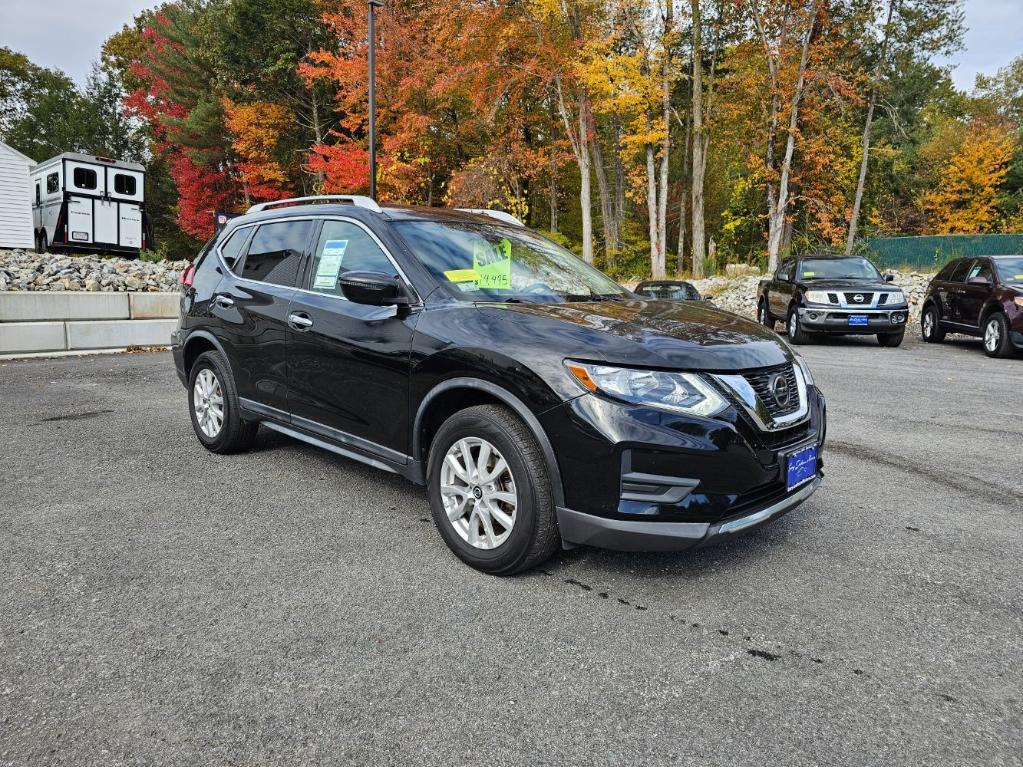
(809, 274)
(462, 275)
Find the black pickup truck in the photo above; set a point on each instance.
(838, 295)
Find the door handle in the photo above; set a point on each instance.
(225, 301)
(299, 321)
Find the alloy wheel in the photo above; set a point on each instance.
(478, 491)
(992, 335)
(793, 320)
(208, 402)
(928, 324)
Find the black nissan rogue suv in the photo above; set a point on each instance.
(540, 402)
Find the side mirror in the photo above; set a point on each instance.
(373, 288)
(889, 277)
(984, 281)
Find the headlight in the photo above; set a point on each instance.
(678, 392)
(817, 297)
(895, 297)
(805, 370)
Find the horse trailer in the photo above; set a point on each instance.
(81, 202)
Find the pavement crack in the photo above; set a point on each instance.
(76, 416)
(968, 484)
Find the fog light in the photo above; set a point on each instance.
(813, 315)
(896, 319)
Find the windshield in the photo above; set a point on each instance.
(837, 269)
(1010, 270)
(670, 292)
(495, 262)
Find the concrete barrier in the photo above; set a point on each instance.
(18, 306)
(71, 321)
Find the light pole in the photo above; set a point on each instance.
(373, 5)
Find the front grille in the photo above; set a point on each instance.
(763, 383)
(865, 299)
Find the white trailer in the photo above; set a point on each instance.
(81, 202)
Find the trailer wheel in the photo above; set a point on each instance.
(41, 242)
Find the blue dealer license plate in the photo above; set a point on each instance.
(802, 466)
(858, 319)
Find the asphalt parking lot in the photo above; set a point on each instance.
(161, 605)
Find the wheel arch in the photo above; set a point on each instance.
(455, 394)
(198, 342)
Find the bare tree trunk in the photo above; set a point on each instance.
(656, 269)
(779, 206)
(699, 145)
(619, 179)
(854, 219)
(317, 132)
(582, 157)
(552, 193)
(662, 201)
(683, 205)
(608, 219)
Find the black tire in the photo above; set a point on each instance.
(41, 242)
(235, 434)
(930, 326)
(996, 340)
(891, 339)
(764, 315)
(794, 329)
(534, 536)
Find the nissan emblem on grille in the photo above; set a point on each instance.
(780, 389)
(858, 298)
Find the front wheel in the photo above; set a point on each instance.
(891, 339)
(996, 336)
(764, 315)
(795, 329)
(490, 493)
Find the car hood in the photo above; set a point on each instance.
(871, 285)
(685, 335)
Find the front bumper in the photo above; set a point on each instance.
(581, 529)
(832, 319)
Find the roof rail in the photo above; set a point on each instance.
(352, 199)
(500, 215)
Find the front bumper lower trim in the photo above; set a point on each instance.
(580, 529)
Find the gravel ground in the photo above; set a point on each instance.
(25, 270)
(161, 605)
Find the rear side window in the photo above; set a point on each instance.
(52, 183)
(232, 247)
(85, 178)
(344, 247)
(124, 184)
(275, 253)
(959, 273)
(980, 269)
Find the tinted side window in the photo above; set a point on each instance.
(38, 194)
(232, 247)
(275, 253)
(52, 183)
(784, 272)
(344, 247)
(85, 178)
(124, 184)
(959, 273)
(980, 268)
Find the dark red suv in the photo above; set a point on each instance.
(979, 297)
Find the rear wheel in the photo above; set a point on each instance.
(795, 329)
(489, 491)
(891, 339)
(930, 328)
(764, 315)
(996, 336)
(41, 242)
(213, 405)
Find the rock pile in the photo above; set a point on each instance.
(23, 270)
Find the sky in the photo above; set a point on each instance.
(67, 34)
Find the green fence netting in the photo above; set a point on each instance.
(933, 251)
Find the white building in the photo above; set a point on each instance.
(16, 230)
